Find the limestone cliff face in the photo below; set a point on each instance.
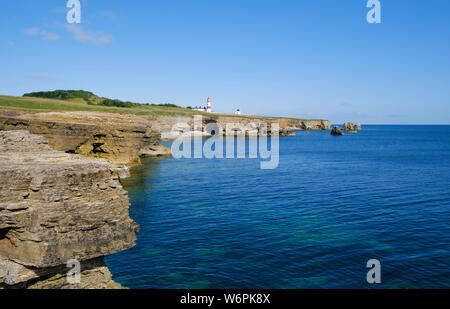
(94, 275)
(172, 126)
(118, 138)
(352, 126)
(55, 207)
(57, 203)
(124, 138)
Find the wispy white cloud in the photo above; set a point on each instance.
(43, 34)
(41, 77)
(31, 31)
(49, 36)
(84, 36)
(109, 15)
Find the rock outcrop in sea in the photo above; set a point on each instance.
(352, 127)
(173, 126)
(336, 131)
(56, 207)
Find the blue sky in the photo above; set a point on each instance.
(313, 59)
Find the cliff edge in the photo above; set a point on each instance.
(56, 207)
(118, 138)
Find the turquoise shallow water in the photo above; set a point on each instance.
(314, 222)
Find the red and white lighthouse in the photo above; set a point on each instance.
(208, 106)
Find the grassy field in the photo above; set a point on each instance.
(33, 104)
(52, 105)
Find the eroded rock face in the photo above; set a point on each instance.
(94, 275)
(352, 126)
(172, 127)
(118, 138)
(55, 207)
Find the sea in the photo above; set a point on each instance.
(333, 204)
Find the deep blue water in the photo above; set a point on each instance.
(314, 222)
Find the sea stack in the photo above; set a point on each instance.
(352, 127)
(336, 131)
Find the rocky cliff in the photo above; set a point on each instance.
(172, 126)
(55, 207)
(118, 138)
(124, 138)
(352, 127)
(60, 195)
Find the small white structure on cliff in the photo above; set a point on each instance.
(238, 112)
(199, 109)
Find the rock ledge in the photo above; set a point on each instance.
(55, 207)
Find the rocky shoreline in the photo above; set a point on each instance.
(173, 127)
(61, 197)
(118, 138)
(56, 207)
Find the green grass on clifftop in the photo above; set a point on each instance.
(79, 100)
(34, 104)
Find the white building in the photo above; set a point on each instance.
(199, 109)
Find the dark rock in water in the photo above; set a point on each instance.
(337, 131)
(287, 132)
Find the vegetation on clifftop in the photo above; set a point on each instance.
(64, 95)
(80, 100)
(88, 97)
(34, 104)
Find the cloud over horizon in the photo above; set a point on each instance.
(43, 34)
(84, 36)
